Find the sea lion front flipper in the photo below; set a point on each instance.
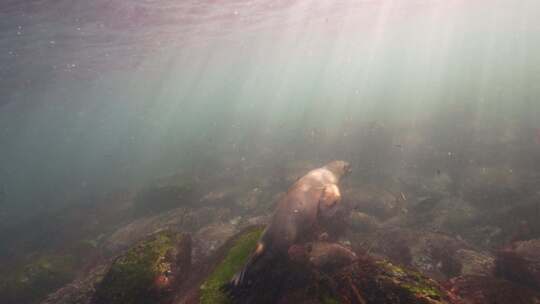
(329, 200)
(330, 197)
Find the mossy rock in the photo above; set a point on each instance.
(478, 289)
(328, 299)
(369, 281)
(364, 280)
(131, 278)
(234, 259)
(40, 275)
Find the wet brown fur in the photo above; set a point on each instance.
(297, 213)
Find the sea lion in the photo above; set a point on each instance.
(295, 220)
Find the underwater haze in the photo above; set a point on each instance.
(103, 102)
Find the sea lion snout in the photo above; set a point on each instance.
(347, 169)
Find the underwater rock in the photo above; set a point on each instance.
(476, 289)
(363, 280)
(35, 279)
(474, 262)
(391, 243)
(147, 272)
(491, 186)
(208, 239)
(375, 281)
(373, 201)
(450, 215)
(485, 236)
(258, 220)
(436, 255)
(180, 219)
(216, 197)
(346, 278)
(250, 200)
(240, 196)
(517, 221)
(207, 277)
(322, 256)
(520, 262)
(81, 290)
(359, 221)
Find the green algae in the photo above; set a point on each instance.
(211, 292)
(131, 275)
(412, 282)
(422, 286)
(31, 281)
(393, 269)
(328, 299)
(423, 290)
(376, 280)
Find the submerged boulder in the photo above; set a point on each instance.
(41, 273)
(179, 219)
(371, 281)
(436, 255)
(318, 272)
(338, 275)
(147, 272)
(450, 215)
(359, 221)
(475, 262)
(520, 263)
(478, 289)
(373, 201)
(208, 239)
(328, 257)
(81, 290)
(491, 187)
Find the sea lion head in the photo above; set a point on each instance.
(340, 168)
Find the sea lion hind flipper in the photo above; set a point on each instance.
(239, 279)
(250, 284)
(259, 281)
(237, 289)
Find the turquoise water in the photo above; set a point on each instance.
(101, 95)
(94, 93)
